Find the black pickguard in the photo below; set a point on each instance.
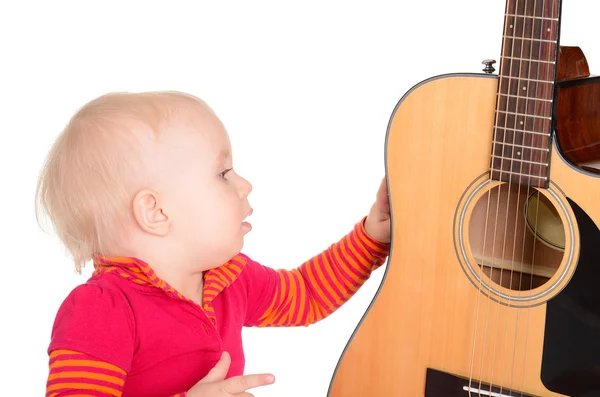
(571, 358)
(443, 384)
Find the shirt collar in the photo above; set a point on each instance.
(140, 272)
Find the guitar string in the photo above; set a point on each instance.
(513, 34)
(554, 4)
(529, 76)
(483, 256)
(521, 173)
(510, 179)
(519, 74)
(477, 306)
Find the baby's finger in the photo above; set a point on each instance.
(239, 384)
(219, 371)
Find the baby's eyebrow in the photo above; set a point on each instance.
(223, 154)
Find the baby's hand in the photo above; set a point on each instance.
(214, 383)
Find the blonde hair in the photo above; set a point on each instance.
(87, 183)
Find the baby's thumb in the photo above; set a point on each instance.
(219, 371)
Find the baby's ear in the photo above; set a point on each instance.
(148, 213)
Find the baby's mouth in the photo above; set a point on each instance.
(247, 224)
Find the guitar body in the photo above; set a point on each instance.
(441, 324)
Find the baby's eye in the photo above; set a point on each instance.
(222, 174)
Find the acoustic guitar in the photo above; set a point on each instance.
(492, 287)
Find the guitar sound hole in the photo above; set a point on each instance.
(516, 237)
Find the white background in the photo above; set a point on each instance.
(305, 90)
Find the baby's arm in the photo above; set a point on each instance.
(316, 288)
(75, 372)
(72, 371)
(78, 374)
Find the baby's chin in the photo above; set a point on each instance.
(220, 251)
(230, 250)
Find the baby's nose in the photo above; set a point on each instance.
(246, 188)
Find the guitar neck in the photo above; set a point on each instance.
(525, 92)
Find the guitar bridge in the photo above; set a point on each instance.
(442, 384)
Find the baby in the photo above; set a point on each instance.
(143, 186)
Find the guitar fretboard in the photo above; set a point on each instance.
(521, 145)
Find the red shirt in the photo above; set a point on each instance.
(125, 332)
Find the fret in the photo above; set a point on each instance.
(530, 176)
(526, 98)
(533, 151)
(529, 107)
(521, 47)
(531, 28)
(512, 137)
(530, 39)
(526, 131)
(518, 167)
(513, 173)
(531, 17)
(532, 80)
(525, 147)
(521, 152)
(525, 115)
(520, 161)
(527, 60)
(523, 181)
(515, 177)
(520, 86)
(528, 70)
(522, 122)
(515, 78)
(538, 8)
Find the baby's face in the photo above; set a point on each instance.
(204, 198)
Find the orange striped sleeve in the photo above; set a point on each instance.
(76, 374)
(322, 284)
